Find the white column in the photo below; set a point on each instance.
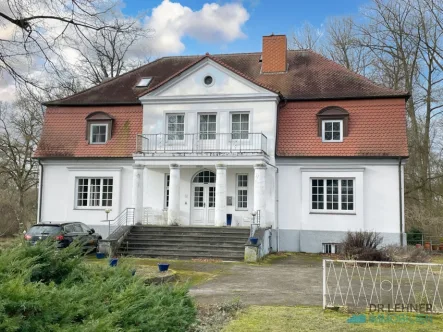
(260, 191)
(174, 195)
(220, 195)
(137, 192)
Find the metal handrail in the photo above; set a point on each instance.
(202, 142)
(125, 218)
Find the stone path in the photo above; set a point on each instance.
(293, 280)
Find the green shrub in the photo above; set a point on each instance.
(46, 289)
(414, 236)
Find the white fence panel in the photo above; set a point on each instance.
(383, 286)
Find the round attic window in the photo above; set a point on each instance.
(208, 80)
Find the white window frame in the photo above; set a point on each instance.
(207, 132)
(167, 127)
(237, 188)
(166, 194)
(231, 124)
(95, 207)
(91, 131)
(323, 125)
(330, 211)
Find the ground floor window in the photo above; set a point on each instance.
(242, 191)
(332, 195)
(167, 178)
(94, 192)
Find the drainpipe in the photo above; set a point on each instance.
(276, 206)
(40, 190)
(400, 196)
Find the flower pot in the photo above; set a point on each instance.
(434, 247)
(440, 247)
(163, 267)
(113, 261)
(253, 240)
(418, 245)
(427, 246)
(100, 255)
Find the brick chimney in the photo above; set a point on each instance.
(274, 54)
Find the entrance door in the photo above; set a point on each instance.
(203, 198)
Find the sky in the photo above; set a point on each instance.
(185, 27)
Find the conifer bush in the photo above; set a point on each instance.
(46, 289)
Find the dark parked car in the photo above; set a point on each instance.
(65, 234)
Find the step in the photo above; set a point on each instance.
(182, 247)
(188, 231)
(181, 254)
(193, 228)
(187, 242)
(209, 237)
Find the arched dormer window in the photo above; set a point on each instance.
(99, 127)
(333, 124)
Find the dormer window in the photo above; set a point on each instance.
(99, 133)
(333, 124)
(144, 82)
(99, 128)
(332, 131)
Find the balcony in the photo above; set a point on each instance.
(211, 143)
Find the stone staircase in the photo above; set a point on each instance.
(225, 243)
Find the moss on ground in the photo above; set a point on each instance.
(283, 319)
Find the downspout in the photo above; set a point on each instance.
(276, 205)
(400, 196)
(40, 191)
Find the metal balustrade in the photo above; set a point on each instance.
(202, 142)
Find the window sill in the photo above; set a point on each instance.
(94, 208)
(352, 213)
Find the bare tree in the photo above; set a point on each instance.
(20, 127)
(35, 34)
(307, 37)
(107, 52)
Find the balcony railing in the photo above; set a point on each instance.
(202, 143)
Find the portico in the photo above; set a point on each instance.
(202, 195)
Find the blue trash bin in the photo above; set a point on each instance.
(229, 219)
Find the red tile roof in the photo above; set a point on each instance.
(309, 76)
(64, 132)
(377, 127)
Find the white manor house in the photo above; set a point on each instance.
(284, 138)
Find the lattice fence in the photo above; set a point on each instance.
(361, 284)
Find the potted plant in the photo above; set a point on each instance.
(253, 240)
(163, 267)
(434, 247)
(113, 261)
(427, 245)
(418, 245)
(440, 247)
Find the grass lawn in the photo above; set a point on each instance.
(189, 272)
(283, 319)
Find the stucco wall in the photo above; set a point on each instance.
(58, 193)
(376, 196)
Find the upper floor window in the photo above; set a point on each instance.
(333, 124)
(240, 125)
(176, 126)
(99, 127)
(99, 133)
(332, 131)
(207, 126)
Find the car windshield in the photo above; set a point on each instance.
(35, 230)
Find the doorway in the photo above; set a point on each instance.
(203, 198)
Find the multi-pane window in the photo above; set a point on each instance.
(208, 126)
(242, 191)
(240, 125)
(211, 200)
(99, 133)
(94, 192)
(176, 126)
(205, 177)
(198, 196)
(332, 131)
(167, 178)
(332, 195)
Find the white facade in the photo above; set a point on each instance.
(208, 150)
